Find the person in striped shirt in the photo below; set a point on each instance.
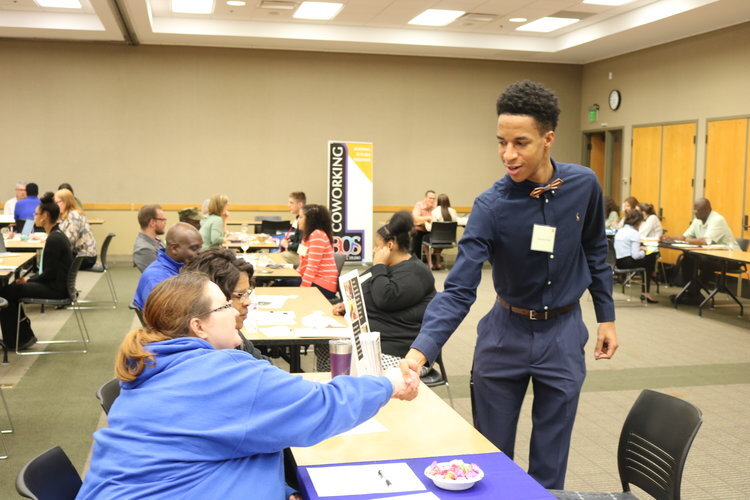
(317, 266)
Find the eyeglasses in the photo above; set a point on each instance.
(163, 219)
(228, 305)
(243, 295)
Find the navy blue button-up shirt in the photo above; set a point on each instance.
(499, 231)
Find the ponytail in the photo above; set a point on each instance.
(131, 357)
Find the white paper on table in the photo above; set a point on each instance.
(264, 318)
(339, 333)
(9, 254)
(363, 479)
(427, 495)
(8, 268)
(272, 301)
(369, 426)
(317, 319)
(277, 331)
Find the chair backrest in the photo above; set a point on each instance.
(744, 243)
(340, 259)
(72, 276)
(107, 394)
(611, 256)
(2, 244)
(654, 443)
(138, 313)
(105, 249)
(50, 476)
(274, 226)
(434, 378)
(443, 232)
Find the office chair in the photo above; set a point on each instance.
(434, 378)
(273, 227)
(628, 274)
(442, 237)
(49, 476)
(107, 393)
(138, 312)
(103, 268)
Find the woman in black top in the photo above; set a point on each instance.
(50, 283)
(396, 289)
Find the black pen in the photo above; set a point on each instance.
(380, 474)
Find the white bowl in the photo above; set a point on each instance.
(453, 484)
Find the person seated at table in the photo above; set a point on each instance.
(76, 227)
(10, 206)
(293, 237)
(613, 214)
(397, 289)
(152, 220)
(651, 226)
(25, 207)
(183, 244)
(422, 213)
(67, 186)
(317, 266)
(630, 203)
(190, 216)
(235, 279)
(196, 418)
(213, 227)
(707, 228)
(631, 254)
(441, 213)
(50, 283)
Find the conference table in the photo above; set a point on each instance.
(416, 433)
(18, 245)
(11, 265)
(234, 241)
(269, 268)
(293, 317)
(724, 257)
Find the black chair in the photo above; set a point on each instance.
(103, 267)
(138, 312)
(744, 243)
(273, 227)
(70, 300)
(628, 274)
(654, 444)
(442, 237)
(434, 378)
(50, 476)
(107, 394)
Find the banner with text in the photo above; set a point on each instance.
(350, 198)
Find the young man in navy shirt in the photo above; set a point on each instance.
(542, 228)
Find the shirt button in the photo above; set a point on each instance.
(551, 256)
(546, 200)
(545, 308)
(549, 282)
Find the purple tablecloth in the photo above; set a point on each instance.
(503, 479)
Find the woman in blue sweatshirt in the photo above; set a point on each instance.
(198, 419)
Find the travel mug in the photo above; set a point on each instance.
(340, 352)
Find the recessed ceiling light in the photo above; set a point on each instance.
(277, 4)
(437, 17)
(607, 2)
(236, 3)
(547, 24)
(193, 6)
(59, 4)
(321, 11)
(518, 19)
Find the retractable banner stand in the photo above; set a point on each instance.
(350, 198)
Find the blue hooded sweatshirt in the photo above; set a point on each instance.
(206, 423)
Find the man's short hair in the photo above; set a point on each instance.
(299, 197)
(531, 99)
(146, 213)
(32, 189)
(428, 192)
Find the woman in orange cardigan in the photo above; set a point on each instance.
(317, 266)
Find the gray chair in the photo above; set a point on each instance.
(107, 394)
(442, 237)
(70, 300)
(10, 428)
(138, 312)
(437, 376)
(340, 259)
(102, 267)
(744, 243)
(628, 274)
(654, 444)
(49, 476)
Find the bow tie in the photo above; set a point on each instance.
(537, 191)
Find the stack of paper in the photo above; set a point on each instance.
(370, 362)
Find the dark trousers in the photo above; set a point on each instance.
(326, 293)
(648, 263)
(9, 315)
(416, 242)
(88, 262)
(511, 351)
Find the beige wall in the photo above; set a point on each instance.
(175, 124)
(703, 77)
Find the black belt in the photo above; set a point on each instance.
(535, 315)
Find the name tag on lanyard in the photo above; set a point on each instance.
(543, 238)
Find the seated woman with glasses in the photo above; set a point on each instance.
(317, 266)
(50, 283)
(630, 253)
(196, 418)
(76, 227)
(396, 289)
(235, 278)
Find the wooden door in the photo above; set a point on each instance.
(746, 218)
(615, 139)
(596, 157)
(645, 164)
(725, 169)
(677, 172)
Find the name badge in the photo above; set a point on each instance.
(302, 250)
(543, 238)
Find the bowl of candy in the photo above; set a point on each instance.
(455, 475)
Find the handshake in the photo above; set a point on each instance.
(405, 379)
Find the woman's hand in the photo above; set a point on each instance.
(381, 255)
(338, 309)
(405, 381)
